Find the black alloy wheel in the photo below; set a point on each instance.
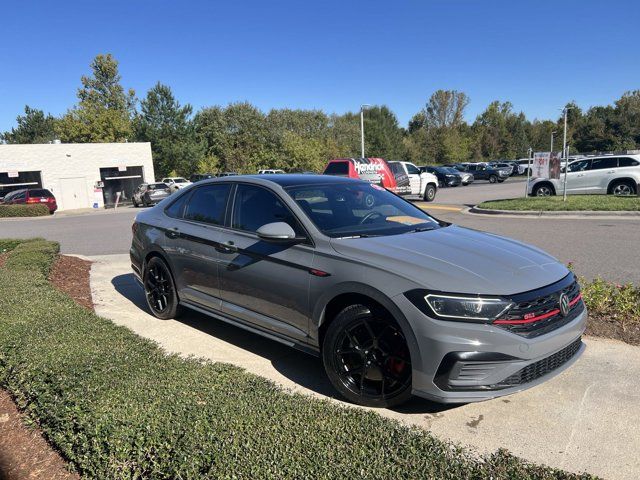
(159, 289)
(367, 359)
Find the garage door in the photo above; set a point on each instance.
(73, 193)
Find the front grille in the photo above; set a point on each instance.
(540, 306)
(542, 367)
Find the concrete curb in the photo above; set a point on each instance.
(592, 214)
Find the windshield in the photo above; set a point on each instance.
(180, 180)
(359, 210)
(451, 170)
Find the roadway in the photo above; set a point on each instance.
(596, 247)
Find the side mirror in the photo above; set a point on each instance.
(277, 232)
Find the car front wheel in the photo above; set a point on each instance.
(493, 179)
(542, 191)
(160, 289)
(366, 357)
(430, 193)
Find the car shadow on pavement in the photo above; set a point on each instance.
(299, 367)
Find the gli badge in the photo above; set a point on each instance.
(564, 304)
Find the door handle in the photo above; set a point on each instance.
(580, 175)
(173, 232)
(228, 247)
(611, 171)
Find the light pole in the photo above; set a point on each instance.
(362, 108)
(526, 185)
(565, 155)
(552, 134)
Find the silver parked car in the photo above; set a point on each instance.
(148, 194)
(608, 174)
(394, 301)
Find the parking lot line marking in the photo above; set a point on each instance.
(440, 207)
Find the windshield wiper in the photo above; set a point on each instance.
(421, 229)
(359, 235)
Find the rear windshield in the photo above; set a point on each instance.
(155, 186)
(40, 192)
(337, 168)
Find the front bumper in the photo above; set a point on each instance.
(463, 362)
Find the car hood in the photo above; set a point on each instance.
(458, 260)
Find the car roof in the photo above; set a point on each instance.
(286, 180)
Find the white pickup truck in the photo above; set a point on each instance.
(424, 185)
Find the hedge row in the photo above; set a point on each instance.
(34, 210)
(116, 406)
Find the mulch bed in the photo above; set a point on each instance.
(71, 276)
(608, 327)
(3, 258)
(24, 453)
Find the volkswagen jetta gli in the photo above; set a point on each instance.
(394, 301)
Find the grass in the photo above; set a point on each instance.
(574, 203)
(25, 210)
(116, 406)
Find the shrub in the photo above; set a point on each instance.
(116, 406)
(35, 210)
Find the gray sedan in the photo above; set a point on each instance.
(394, 301)
(148, 194)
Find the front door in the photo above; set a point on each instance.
(577, 177)
(414, 178)
(262, 282)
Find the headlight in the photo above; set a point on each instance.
(467, 307)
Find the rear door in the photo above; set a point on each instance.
(192, 242)
(602, 171)
(265, 283)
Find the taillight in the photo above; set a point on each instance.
(33, 200)
(134, 228)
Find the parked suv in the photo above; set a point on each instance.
(176, 183)
(481, 171)
(394, 301)
(32, 196)
(150, 193)
(608, 174)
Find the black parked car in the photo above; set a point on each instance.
(196, 177)
(446, 177)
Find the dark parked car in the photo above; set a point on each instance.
(32, 196)
(446, 177)
(394, 301)
(481, 171)
(148, 194)
(196, 177)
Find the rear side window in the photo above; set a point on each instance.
(208, 204)
(256, 206)
(337, 168)
(396, 168)
(176, 209)
(601, 163)
(628, 162)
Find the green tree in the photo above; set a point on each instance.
(33, 127)
(168, 126)
(104, 110)
(383, 136)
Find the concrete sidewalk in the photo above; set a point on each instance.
(586, 419)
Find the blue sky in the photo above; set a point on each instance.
(332, 55)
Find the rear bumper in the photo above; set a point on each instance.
(465, 362)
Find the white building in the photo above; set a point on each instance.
(80, 175)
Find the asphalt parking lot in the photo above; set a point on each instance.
(596, 247)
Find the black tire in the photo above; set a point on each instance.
(366, 358)
(542, 190)
(135, 204)
(493, 179)
(500, 180)
(623, 188)
(160, 289)
(430, 193)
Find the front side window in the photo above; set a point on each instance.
(359, 210)
(412, 169)
(256, 206)
(579, 166)
(208, 204)
(601, 163)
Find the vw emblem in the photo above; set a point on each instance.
(564, 304)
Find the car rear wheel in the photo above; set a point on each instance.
(430, 193)
(623, 189)
(493, 179)
(160, 290)
(543, 190)
(366, 357)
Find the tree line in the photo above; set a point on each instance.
(240, 137)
